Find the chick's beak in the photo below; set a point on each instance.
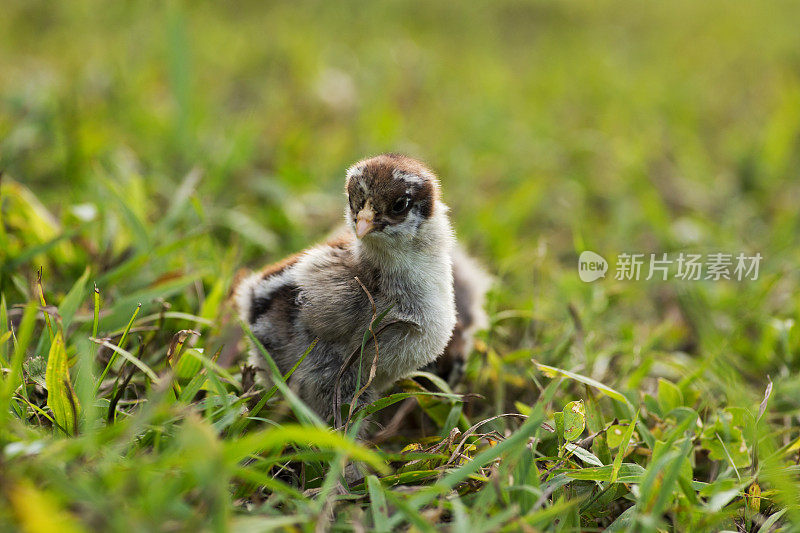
(364, 223)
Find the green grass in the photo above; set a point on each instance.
(152, 150)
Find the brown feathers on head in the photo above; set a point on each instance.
(393, 186)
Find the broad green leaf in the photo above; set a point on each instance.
(189, 364)
(669, 396)
(793, 446)
(522, 408)
(652, 405)
(615, 433)
(558, 422)
(35, 370)
(433, 378)
(594, 417)
(188, 392)
(574, 420)
(436, 406)
(625, 473)
(60, 397)
(724, 439)
(601, 449)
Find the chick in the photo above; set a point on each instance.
(398, 254)
(470, 284)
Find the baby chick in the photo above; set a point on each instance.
(470, 284)
(398, 254)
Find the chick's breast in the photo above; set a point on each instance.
(333, 306)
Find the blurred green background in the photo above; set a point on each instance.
(171, 143)
(555, 127)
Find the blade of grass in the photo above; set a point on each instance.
(72, 301)
(377, 503)
(130, 357)
(605, 389)
(668, 469)
(623, 448)
(40, 286)
(21, 341)
(120, 345)
(242, 423)
(4, 328)
(277, 437)
(408, 512)
(303, 412)
(272, 484)
(96, 319)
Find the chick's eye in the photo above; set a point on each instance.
(401, 204)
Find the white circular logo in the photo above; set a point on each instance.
(591, 266)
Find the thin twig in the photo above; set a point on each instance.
(337, 396)
(470, 431)
(374, 368)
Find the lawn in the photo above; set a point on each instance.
(149, 151)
